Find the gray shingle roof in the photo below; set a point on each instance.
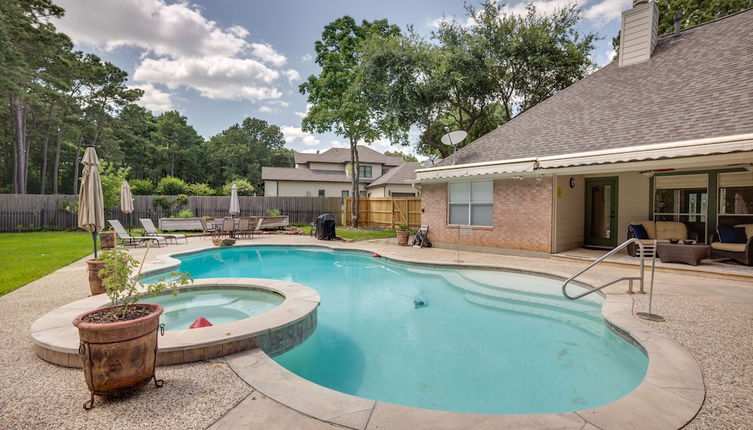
(303, 174)
(397, 175)
(342, 155)
(698, 86)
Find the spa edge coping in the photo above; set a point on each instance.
(670, 395)
(277, 330)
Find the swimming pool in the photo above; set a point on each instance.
(450, 339)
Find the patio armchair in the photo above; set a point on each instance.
(739, 251)
(151, 230)
(661, 231)
(244, 227)
(228, 227)
(257, 230)
(207, 227)
(133, 240)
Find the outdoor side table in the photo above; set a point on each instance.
(681, 253)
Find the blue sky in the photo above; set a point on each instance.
(220, 61)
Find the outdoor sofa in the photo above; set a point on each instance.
(736, 245)
(661, 231)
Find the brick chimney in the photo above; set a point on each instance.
(638, 32)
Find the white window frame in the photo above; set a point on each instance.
(471, 203)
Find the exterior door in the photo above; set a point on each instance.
(601, 212)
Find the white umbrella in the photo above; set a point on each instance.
(235, 206)
(126, 198)
(91, 205)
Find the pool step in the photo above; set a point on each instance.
(582, 321)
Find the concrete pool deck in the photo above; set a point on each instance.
(712, 318)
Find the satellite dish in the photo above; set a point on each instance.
(454, 137)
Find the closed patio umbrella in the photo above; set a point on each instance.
(235, 206)
(91, 206)
(126, 200)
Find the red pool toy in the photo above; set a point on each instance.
(200, 322)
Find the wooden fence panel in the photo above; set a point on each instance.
(19, 212)
(385, 212)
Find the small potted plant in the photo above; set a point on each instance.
(402, 234)
(118, 344)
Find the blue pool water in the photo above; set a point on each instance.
(483, 341)
(217, 306)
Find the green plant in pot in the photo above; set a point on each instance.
(118, 343)
(402, 234)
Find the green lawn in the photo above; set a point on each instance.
(357, 234)
(25, 257)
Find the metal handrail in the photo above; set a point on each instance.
(624, 278)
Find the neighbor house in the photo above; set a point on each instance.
(664, 133)
(329, 175)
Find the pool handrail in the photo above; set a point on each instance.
(644, 248)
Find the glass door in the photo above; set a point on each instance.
(601, 212)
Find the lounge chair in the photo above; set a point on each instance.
(151, 230)
(258, 227)
(134, 240)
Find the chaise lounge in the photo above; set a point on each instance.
(735, 243)
(661, 231)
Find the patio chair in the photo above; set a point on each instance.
(207, 228)
(228, 227)
(151, 230)
(258, 227)
(244, 227)
(133, 240)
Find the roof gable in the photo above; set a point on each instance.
(342, 155)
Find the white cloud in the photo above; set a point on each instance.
(307, 57)
(292, 75)
(545, 7)
(339, 144)
(154, 99)
(180, 47)
(295, 134)
(273, 106)
(606, 11)
(267, 54)
(302, 114)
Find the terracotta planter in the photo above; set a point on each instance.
(402, 237)
(118, 357)
(95, 281)
(107, 240)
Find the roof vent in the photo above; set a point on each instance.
(638, 32)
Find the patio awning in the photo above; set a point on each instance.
(493, 169)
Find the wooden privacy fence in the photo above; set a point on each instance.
(19, 212)
(385, 212)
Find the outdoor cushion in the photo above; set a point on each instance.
(671, 230)
(638, 231)
(734, 247)
(748, 229)
(732, 234)
(648, 226)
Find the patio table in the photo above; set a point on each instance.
(682, 253)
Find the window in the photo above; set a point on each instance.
(345, 193)
(735, 199)
(470, 203)
(321, 193)
(364, 171)
(682, 198)
(362, 194)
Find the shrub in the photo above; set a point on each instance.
(185, 213)
(200, 190)
(141, 187)
(244, 187)
(180, 201)
(162, 202)
(171, 186)
(274, 212)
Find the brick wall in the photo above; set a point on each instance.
(522, 216)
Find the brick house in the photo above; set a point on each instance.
(664, 133)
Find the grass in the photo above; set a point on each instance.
(25, 257)
(357, 234)
(351, 234)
